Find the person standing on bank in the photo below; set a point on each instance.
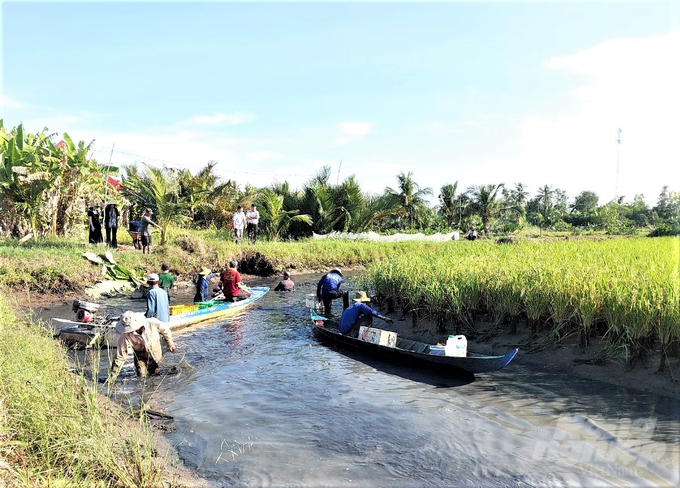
(328, 289)
(232, 286)
(140, 336)
(252, 217)
(156, 300)
(166, 279)
(146, 232)
(111, 215)
(239, 222)
(286, 284)
(95, 225)
(203, 285)
(359, 314)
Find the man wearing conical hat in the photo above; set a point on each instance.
(359, 314)
(203, 285)
(141, 336)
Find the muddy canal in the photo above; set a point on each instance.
(258, 402)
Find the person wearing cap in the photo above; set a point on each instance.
(252, 217)
(286, 284)
(232, 286)
(166, 279)
(203, 285)
(328, 289)
(111, 215)
(157, 303)
(359, 314)
(95, 224)
(146, 233)
(239, 223)
(140, 336)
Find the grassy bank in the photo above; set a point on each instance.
(54, 428)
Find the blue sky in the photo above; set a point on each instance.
(474, 92)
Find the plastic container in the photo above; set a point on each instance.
(456, 346)
(313, 303)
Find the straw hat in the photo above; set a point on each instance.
(130, 321)
(361, 296)
(336, 270)
(204, 272)
(111, 202)
(152, 278)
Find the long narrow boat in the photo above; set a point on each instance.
(99, 334)
(407, 352)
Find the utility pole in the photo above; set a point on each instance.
(618, 155)
(338, 180)
(108, 168)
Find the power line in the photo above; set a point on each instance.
(144, 158)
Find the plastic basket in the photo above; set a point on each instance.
(177, 309)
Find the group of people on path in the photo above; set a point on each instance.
(248, 221)
(110, 220)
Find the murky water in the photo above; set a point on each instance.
(258, 402)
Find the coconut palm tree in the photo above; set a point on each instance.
(447, 204)
(158, 189)
(544, 198)
(409, 198)
(484, 202)
(275, 220)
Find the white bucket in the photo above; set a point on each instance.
(456, 346)
(312, 302)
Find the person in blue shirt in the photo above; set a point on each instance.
(359, 314)
(157, 303)
(328, 289)
(203, 285)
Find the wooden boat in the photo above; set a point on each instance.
(104, 333)
(408, 352)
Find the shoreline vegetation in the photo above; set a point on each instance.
(611, 300)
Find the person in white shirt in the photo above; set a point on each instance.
(239, 221)
(252, 217)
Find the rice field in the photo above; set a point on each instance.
(626, 290)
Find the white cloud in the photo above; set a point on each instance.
(630, 84)
(235, 118)
(10, 103)
(352, 131)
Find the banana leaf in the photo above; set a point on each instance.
(92, 257)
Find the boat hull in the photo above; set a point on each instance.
(472, 363)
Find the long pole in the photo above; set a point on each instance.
(106, 181)
(618, 155)
(337, 182)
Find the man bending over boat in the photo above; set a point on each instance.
(359, 314)
(328, 289)
(141, 337)
(232, 286)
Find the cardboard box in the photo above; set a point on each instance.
(378, 336)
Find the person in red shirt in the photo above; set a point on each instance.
(232, 286)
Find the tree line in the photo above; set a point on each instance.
(46, 187)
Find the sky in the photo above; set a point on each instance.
(471, 92)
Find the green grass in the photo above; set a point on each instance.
(53, 431)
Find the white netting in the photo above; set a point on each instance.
(372, 236)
